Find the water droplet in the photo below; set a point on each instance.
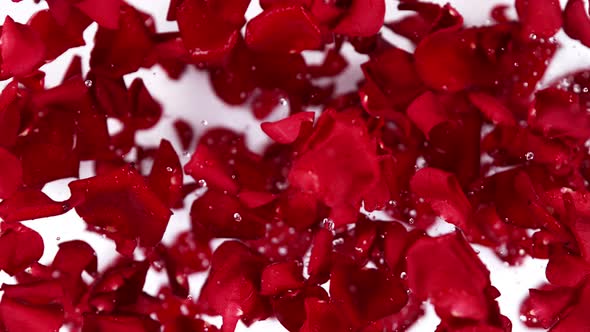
(283, 102)
(327, 224)
(58, 238)
(529, 156)
(282, 251)
(403, 275)
(88, 83)
(202, 183)
(237, 217)
(169, 169)
(204, 123)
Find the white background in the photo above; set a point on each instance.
(192, 99)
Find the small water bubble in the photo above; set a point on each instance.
(204, 123)
(202, 183)
(58, 238)
(327, 224)
(282, 251)
(529, 156)
(88, 83)
(403, 275)
(237, 217)
(169, 169)
(283, 102)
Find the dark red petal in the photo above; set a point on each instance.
(207, 37)
(11, 174)
(426, 112)
(541, 18)
(320, 260)
(577, 319)
(254, 199)
(576, 23)
(74, 257)
(121, 205)
(20, 246)
(442, 191)
(185, 133)
(166, 177)
(57, 38)
(324, 316)
(280, 277)
(492, 108)
(103, 12)
(363, 18)
(543, 307)
(17, 316)
(287, 130)
(119, 323)
(35, 293)
(366, 294)
(30, 204)
(447, 270)
(232, 287)
(204, 165)
(445, 61)
(315, 171)
(283, 30)
(566, 270)
(122, 51)
(10, 114)
(145, 110)
(21, 48)
(224, 216)
(289, 308)
(557, 113)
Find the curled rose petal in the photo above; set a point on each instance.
(427, 112)
(287, 130)
(121, 205)
(447, 270)
(166, 176)
(541, 18)
(576, 22)
(232, 287)
(103, 12)
(442, 191)
(543, 307)
(577, 318)
(283, 30)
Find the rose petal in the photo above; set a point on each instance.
(576, 23)
(166, 176)
(287, 130)
(363, 18)
(21, 247)
(12, 174)
(441, 190)
(283, 30)
(21, 47)
(540, 18)
(280, 277)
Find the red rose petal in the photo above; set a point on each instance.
(366, 294)
(121, 205)
(166, 176)
(21, 48)
(445, 61)
(492, 109)
(12, 174)
(324, 316)
(231, 289)
(443, 193)
(539, 17)
(426, 112)
(280, 277)
(576, 23)
(363, 18)
(287, 130)
(17, 316)
(446, 270)
(207, 37)
(283, 30)
(30, 204)
(119, 323)
(21, 247)
(577, 319)
(103, 12)
(543, 307)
